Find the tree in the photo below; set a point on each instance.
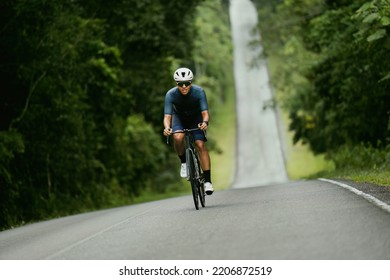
(335, 70)
(75, 79)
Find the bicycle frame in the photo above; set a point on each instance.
(189, 142)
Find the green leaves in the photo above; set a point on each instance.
(375, 19)
(379, 34)
(85, 81)
(11, 144)
(334, 73)
(213, 52)
(371, 18)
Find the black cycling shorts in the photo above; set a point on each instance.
(180, 122)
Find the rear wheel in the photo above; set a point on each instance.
(192, 177)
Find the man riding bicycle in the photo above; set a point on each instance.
(186, 107)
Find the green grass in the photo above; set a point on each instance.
(378, 177)
(372, 176)
(300, 161)
(223, 132)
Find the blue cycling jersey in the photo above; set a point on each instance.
(187, 105)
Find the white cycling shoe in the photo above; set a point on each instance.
(183, 170)
(208, 187)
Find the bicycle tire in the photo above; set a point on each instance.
(201, 192)
(192, 177)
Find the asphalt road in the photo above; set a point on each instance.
(260, 158)
(298, 220)
(262, 217)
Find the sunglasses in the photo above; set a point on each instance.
(182, 84)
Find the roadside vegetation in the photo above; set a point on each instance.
(331, 72)
(82, 86)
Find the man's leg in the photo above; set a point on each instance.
(178, 139)
(204, 156)
(180, 150)
(205, 163)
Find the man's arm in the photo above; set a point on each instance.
(167, 124)
(205, 117)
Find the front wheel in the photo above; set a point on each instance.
(202, 194)
(192, 177)
(200, 180)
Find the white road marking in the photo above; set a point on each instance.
(370, 198)
(68, 248)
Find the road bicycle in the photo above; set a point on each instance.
(194, 170)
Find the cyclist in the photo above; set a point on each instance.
(186, 107)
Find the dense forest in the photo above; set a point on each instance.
(332, 74)
(81, 97)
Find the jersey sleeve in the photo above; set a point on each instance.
(168, 105)
(203, 101)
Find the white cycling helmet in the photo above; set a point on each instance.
(183, 75)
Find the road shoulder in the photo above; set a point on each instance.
(380, 194)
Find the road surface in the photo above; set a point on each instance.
(298, 220)
(260, 159)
